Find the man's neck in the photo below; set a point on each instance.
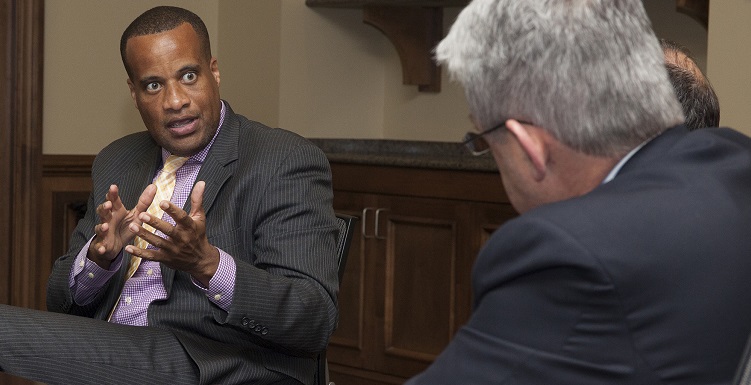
(577, 173)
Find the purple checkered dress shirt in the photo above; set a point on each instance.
(146, 286)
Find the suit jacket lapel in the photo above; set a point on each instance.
(139, 176)
(224, 151)
(214, 171)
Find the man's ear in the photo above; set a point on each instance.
(214, 66)
(533, 144)
(132, 91)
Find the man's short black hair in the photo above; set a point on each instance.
(696, 95)
(161, 19)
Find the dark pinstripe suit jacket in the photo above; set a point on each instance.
(268, 203)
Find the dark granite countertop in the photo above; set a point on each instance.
(404, 153)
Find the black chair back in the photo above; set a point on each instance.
(346, 228)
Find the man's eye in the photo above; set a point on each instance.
(190, 77)
(153, 86)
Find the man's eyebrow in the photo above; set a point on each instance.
(149, 79)
(189, 68)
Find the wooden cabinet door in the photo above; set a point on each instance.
(426, 250)
(407, 284)
(406, 288)
(398, 297)
(419, 245)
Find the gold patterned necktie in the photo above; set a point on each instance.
(165, 185)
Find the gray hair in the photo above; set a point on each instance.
(590, 72)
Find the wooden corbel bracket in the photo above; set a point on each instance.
(415, 27)
(414, 32)
(697, 9)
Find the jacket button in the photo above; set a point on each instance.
(245, 321)
(258, 328)
(265, 331)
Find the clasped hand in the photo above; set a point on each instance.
(186, 247)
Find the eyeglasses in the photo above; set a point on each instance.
(476, 143)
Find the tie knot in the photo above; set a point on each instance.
(172, 163)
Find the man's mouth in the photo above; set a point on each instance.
(182, 126)
(180, 123)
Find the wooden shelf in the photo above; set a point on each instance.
(397, 3)
(414, 27)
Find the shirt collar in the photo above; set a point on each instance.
(622, 162)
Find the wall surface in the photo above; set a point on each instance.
(729, 60)
(249, 57)
(87, 103)
(319, 72)
(678, 27)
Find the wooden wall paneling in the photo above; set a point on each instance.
(27, 151)
(65, 190)
(21, 49)
(475, 186)
(6, 170)
(21, 105)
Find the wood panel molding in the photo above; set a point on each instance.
(6, 143)
(21, 40)
(67, 165)
(65, 188)
(21, 51)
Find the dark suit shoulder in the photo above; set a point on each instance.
(270, 135)
(259, 141)
(126, 150)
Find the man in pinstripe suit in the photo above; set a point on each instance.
(240, 284)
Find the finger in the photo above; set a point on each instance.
(157, 223)
(148, 254)
(144, 201)
(100, 231)
(147, 235)
(98, 249)
(179, 215)
(196, 199)
(104, 211)
(152, 238)
(113, 196)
